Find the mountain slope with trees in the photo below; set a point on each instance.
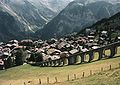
(77, 16)
(107, 24)
(9, 28)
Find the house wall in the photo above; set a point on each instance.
(1, 64)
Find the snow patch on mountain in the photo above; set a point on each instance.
(56, 5)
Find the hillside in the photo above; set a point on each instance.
(108, 24)
(36, 13)
(9, 27)
(29, 16)
(25, 73)
(77, 16)
(102, 78)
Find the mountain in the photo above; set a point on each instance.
(36, 13)
(11, 25)
(9, 28)
(106, 24)
(78, 15)
(27, 16)
(55, 5)
(30, 14)
(92, 1)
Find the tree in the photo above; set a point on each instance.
(32, 57)
(19, 60)
(9, 62)
(38, 57)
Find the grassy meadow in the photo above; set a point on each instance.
(19, 75)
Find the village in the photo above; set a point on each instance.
(15, 53)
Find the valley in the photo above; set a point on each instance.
(59, 42)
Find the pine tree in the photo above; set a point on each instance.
(9, 62)
(19, 57)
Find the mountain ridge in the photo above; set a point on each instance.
(77, 16)
(28, 16)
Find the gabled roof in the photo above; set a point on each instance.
(104, 32)
(74, 51)
(119, 38)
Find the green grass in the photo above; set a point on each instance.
(25, 73)
(103, 78)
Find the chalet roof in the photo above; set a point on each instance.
(84, 50)
(6, 49)
(91, 40)
(19, 47)
(13, 41)
(1, 47)
(41, 50)
(28, 51)
(64, 54)
(119, 38)
(8, 45)
(45, 57)
(92, 33)
(68, 45)
(28, 40)
(38, 42)
(104, 32)
(15, 45)
(54, 57)
(1, 43)
(89, 44)
(61, 45)
(91, 36)
(53, 45)
(54, 39)
(95, 47)
(6, 53)
(74, 51)
(52, 50)
(46, 47)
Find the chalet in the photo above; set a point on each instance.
(13, 42)
(26, 42)
(3, 59)
(1, 64)
(104, 34)
(118, 38)
(61, 45)
(53, 51)
(64, 54)
(54, 57)
(74, 51)
(88, 31)
(91, 37)
(95, 47)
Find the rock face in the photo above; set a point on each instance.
(11, 25)
(9, 28)
(77, 15)
(28, 15)
(36, 13)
